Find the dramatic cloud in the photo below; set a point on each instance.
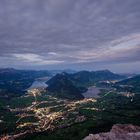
(35, 59)
(77, 34)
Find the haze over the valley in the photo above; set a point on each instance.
(70, 34)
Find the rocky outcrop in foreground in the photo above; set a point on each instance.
(118, 132)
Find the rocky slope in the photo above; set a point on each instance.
(118, 132)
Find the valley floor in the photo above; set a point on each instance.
(41, 116)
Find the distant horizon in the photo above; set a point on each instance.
(69, 69)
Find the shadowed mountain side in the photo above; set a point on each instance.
(87, 78)
(131, 84)
(61, 86)
(15, 82)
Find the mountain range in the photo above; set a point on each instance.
(65, 85)
(73, 85)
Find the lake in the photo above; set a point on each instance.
(92, 92)
(39, 83)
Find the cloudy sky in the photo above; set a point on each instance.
(70, 34)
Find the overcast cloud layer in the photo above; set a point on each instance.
(75, 34)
